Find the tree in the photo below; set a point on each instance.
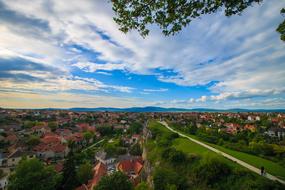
(135, 128)
(87, 136)
(69, 173)
(32, 140)
(28, 124)
(170, 16)
(142, 186)
(31, 174)
(84, 172)
(281, 27)
(52, 125)
(116, 180)
(174, 156)
(168, 179)
(212, 169)
(136, 150)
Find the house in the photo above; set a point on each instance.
(51, 146)
(99, 170)
(135, 139)
(52, 150)
(3, 182)
(14, 158)
(76, 138)
(58, 167)
(232, 128)
(132, 168)
(11, 139)
(249, 127)
(101, 156)
(276, 132)
(41, 130)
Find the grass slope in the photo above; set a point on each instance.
(270, 166)
(188, 146)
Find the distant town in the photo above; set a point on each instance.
(82, 148)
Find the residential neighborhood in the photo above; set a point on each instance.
(110, 142)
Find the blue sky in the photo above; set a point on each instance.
(66, 54)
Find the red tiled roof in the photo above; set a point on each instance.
(128, 166)
(58, 167)
(11, 138)
(82, 187)
(100, 170)
(57, 147)
(51, 139)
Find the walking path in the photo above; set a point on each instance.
(240, 162)
(93, 145)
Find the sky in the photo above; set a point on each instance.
(69, 53)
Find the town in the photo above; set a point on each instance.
(83, 147)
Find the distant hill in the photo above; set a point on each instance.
(158, 109)
(161, 109)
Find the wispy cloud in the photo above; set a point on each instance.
(241, 54)
(156, 90)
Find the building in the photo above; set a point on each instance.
(14, 158)
(101, 156)
(132, 168)
(276, 132)
(3, 182)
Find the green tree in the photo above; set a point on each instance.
(281, 27)
(28, 124)
(136, 150)
(31, 174)
(135, 128)
(84, 172)
(53, 125)
(170, 16)
(32, 140)
(69, 173)
(87, 136)
(142, 186)
(116, 180)
(212, 169)
(166, 178)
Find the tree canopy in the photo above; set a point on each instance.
(116, 180)
(281, 27)
(31, 174)
(172, 16)
(84, 172)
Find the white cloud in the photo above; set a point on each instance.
(156, 90)
(243, 53)
(93, 67)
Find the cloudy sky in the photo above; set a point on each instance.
(70, 53)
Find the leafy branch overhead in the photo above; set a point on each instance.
(173, 15)
(281, 27)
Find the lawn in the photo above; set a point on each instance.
(270, 166)
(188, 146)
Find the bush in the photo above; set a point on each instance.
(174, 156)
(116, 180)
(136, 150)
(212, 169)
(166, 178)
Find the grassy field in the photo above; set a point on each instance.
(188, 146)
(270, 166)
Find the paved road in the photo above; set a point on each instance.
(240, 162)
